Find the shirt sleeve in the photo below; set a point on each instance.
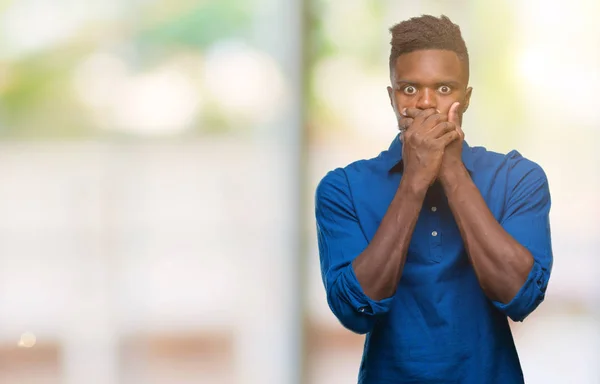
(341, 240)
(526, 219)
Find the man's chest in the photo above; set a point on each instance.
(436, 237)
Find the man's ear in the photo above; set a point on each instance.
(467, 100)
(391, 96)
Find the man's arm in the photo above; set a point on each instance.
(379, 268)
(500, 262)
(360, 277)
(512, 259)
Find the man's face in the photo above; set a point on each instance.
(429, 79)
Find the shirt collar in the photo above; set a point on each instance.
(394, 156)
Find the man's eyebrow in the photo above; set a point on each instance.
(402, 81)
(453, 83)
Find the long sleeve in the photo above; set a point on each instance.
(341, 240)
(526, 219)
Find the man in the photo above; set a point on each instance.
(430, 247)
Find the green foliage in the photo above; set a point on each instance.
(37, 98)
(198, 26)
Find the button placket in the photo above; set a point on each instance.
(435, 235)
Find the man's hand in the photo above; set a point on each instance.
(453, 153)
(423, 145)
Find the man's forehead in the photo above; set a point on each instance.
(429, 64)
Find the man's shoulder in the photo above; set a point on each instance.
(513, 161)
(357, 169)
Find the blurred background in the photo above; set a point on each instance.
(158, 161)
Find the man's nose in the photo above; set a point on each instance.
(426, 99)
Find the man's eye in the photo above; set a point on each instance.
(444, 89)
(409, 90)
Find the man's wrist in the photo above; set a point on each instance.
(453, 175)
(415, 185)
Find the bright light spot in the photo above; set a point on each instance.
(574, 91)
(27, 340)
(164, 101)
(244, 82)
(558, 60)
(533, 67)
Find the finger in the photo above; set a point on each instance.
(435, 119)
(411, 112)
(404, 123)
(431, 122)
(419, 120)
(453, 116)
(414, 112)
(448, 137)
(453, 113)
(461, 133)
(443, 128)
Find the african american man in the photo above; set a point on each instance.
(431, 246)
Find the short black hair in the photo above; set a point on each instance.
(427, 32)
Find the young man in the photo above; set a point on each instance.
(430, 246)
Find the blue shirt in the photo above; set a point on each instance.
(439, 327)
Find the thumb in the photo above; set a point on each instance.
(453, 116)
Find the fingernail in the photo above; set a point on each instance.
(403, 112)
